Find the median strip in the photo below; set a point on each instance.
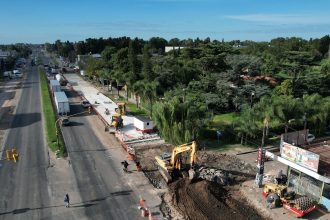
(50, 117)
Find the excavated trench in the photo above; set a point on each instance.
(203, 199)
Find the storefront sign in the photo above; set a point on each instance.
(300, 156)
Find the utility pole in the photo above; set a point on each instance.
(261, 157)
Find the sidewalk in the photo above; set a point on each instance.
(100, 103)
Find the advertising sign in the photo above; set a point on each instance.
(300, 156)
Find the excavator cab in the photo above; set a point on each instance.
(173, 164)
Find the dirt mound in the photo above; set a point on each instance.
(237, 169)
(207, 200)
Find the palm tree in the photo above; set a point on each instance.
(138, 88)
(313, 110)
(150, 93)
(246, 125)
(287, 110)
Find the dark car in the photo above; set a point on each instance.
(86, 104)
(65, 121)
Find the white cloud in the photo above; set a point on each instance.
(283, 18)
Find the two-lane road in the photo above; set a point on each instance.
(23, 186)
(34, 187)
(99, 182)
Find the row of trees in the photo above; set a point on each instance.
(184, 88)
(283, 112)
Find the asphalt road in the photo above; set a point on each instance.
(104, 193)
(23, 185)
(34, 187)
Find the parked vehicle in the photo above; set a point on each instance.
(85, 104)
(17, 74)
(62, 103)
(65, 121)
(310, 138)
(55, 86)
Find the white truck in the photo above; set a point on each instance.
(62, 103)
(55, 85)
(61, 79)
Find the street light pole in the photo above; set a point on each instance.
(251, 101)
(261, 157)
(305, 120)
(57, 138)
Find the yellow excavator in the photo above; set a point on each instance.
(171, 165)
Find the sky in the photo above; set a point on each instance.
(40, 21)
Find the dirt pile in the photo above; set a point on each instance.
(207, 200)
(237, 169)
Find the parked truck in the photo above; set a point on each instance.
(61, 79)
(62, 103)
(55, 86)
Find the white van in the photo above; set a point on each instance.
(17, 74)
(7, 74)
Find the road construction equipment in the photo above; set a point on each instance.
(171, 165)
(298, 206)
(121, 108)
(12, 155)
(116, 122)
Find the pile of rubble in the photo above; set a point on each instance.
(213, 175)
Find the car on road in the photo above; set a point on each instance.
(65, 121)
(310, 138)
(86, 104)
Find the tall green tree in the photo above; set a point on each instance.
(147, 70)
(133, 74)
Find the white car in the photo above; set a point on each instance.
(310, 138)
(85, 104)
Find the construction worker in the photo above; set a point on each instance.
(67, 200)
(138, 165)
(279, 177)
(125, 164)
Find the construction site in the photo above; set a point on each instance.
(192, 183)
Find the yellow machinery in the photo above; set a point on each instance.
(116, 121)
(121, 108)
(171, 165)
(299, 205)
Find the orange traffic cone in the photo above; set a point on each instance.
(142, 201)
(130, 157)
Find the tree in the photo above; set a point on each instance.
(138, 89)
(287, 110)
(147, 65)
(150, 94)
(108, 52)
(158, 44)
(179, 122)
(133, 73)
(120, 66)
(246, 124)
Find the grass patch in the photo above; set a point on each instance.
(224, 119)
(136, 111)
(49, 116)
